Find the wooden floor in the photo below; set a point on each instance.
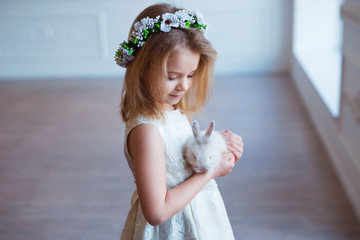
(63, 174)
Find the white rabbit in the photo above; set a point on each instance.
(203, 151)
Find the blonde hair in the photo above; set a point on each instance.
(148, 68)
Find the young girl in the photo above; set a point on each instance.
(168, 77)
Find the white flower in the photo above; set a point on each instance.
(141, 43)
(137, 26)
(180, 19)
(200, 18)
(183, 15)
(169, 20)
(147, 22)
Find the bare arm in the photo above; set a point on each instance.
(157, 203)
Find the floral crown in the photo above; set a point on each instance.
(145, 27)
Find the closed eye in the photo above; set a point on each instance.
(191, 75)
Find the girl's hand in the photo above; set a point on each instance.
(234, 144)
(226, 165)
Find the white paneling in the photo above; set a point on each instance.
(48, 38)
(349, 121)
(58, 36)
(350, 106)
(341, 135)
(57, 39)
(251, 36)
(326, 126)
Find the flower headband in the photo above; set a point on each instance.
(142, 29)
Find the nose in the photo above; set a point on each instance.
(184, 84)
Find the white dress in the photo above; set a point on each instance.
(204, 218)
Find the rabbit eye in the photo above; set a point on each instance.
(209, 157)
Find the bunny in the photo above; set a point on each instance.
(203, 151)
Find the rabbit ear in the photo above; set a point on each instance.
(210, 129)
(196, 131)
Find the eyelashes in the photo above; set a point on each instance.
(176, 77)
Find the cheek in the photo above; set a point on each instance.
(165, 87)
(190, 83)
(170, 86)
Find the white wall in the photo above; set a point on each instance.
(78, 38)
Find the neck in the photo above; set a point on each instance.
(169, 108)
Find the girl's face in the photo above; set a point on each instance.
(181, 68)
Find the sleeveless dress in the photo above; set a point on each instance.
(204, 218)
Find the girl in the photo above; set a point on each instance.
(168, 77)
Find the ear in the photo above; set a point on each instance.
(196, 131)
(210, 129)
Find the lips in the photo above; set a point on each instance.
(176, 96)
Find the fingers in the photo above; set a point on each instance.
(234, 143)
(231, 162)
(229, 157)
(237, 152)
(227, 164)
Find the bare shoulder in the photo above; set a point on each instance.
(144, 129)
(143, 138)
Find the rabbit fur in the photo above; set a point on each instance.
(203, 150)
